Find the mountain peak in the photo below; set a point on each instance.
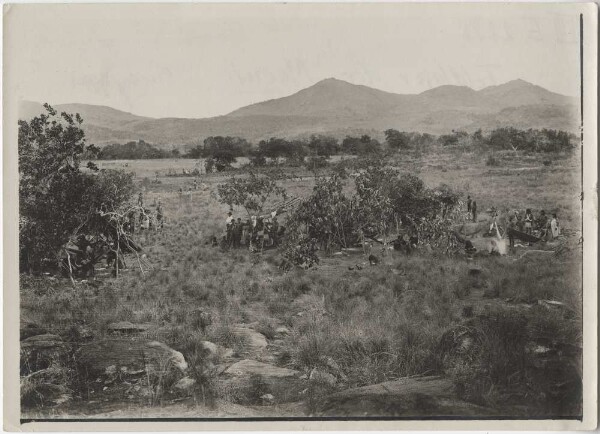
(332, 81)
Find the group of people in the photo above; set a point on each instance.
(255, 232)
(541, 227)
(144, 218)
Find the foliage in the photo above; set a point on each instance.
(251, 192)
(327, 212)
(544, 140)
(323, 146)
(456, 138)
(56, 198)
(363, 145)
(396, 139)
(384, 201)
(293, 151)
(220, 152)
(139, 150)
(302, 251)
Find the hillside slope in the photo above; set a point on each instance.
(337, 107)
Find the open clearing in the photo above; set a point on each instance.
(474, 336)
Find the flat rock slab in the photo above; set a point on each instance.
(252, 367)
(247, 381)
(414, 397)
(126, 356)
(125, 327)
(253, 341)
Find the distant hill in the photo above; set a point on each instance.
(337, 107)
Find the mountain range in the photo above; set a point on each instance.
(339, 108)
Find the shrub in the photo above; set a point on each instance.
(492, 161)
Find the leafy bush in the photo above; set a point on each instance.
(56, 198)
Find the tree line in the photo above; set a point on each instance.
(133, 150)
(221, 152)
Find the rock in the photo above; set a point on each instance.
(248, 367)
(268, 398)
(126, 328)
(31, 329)
(40, 351)
(210, 347)
(475, 271)
(254, 342)
(551, 303)
(128, 358)
(215, 350)
(321, 377)
(333, 367)
(247, 381)
(408, 397)
(185, 384)
(282, 331)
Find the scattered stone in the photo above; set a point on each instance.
(254, 341)
(215, 350)
(129, 358)
(282, 331)
(268, 398)
(126, 328)
(408, 397)
(210, 347)
(248, 367)
(186, 383)
(321, 377)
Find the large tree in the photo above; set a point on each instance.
(57, 199)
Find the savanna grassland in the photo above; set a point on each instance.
(484, 324)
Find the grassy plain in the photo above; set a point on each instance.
(394, 320)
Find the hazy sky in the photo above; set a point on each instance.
(207, 60)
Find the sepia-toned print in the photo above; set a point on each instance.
(297, 212)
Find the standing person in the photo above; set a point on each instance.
(542, 223)
(229, 229)
(494, 223)
(511, 231)
(520, 223)
(275, 231)
(159, 216)
(469, 204)
(145, 220)
(237, 240)
(528, 221)
(246, 232)
(555, 226)
(140, 199)
(474, 211)
(260, 233)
